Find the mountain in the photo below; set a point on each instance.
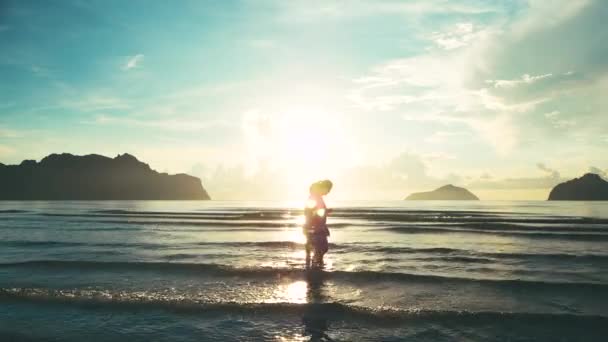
(447, 192)
(590, 187)
(94, 177)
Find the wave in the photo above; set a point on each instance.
(216, 215)
(198, 269)
(13, 211)
(41, 244)
(328, 310)
(555, 227)
(497, 255)
(428, 254)
(399, 213)
(209, 224)
(193, 220)
(263, 244)
(456, 259)
(573, 235)
(368, 214)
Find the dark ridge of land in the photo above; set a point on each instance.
(445, 193)
(94, 177)
(590, 187)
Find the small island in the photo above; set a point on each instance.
(590, 187)
(94, 177)
(445, 193)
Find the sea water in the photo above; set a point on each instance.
(234, 271)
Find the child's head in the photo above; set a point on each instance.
(321, 188)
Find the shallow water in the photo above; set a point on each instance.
(233, 271)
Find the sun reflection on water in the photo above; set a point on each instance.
(295, 292)
(293, 234)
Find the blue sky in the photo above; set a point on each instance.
(258, 98)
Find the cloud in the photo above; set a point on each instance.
(552, 114)
(441, 137)
(556, 121)
(262, 43)
(8, 133)
(462, 34)
(525, 79)
(432, 88)
(240, 183)
(497, 82)
(133, 62)
(6, 151)
(92, 103)
(405, 173)
(318, 9)
(550, 179)
(553, 40)
(164, 124)
(393, 179)
(598, 171)
(41, 71)
(549, 41)
(553, 173)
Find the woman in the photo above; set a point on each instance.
(315, 226)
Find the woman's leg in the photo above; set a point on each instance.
(321, 247)
(308, 247)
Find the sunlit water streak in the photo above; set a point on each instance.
(235, 270)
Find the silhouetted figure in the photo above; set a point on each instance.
(315, 225)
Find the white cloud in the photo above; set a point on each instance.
(9, 133)
(552, 172)
(92, 103)
(552, 114)
(598, 171)
(554, 36)
(133, 62)
(557, 122)
(565, 123)
(525, 79)
(317, 9)
(441, 137)
(433, 88)
(165, 124)
(494, 83)
(462, 34)
(549, 179)
(6, 151)
(262, 43)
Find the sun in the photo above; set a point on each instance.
(298, 146)
(311, 145)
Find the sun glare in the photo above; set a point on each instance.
(294, 235)
(299, 145)
(292, 293)
(311, 145)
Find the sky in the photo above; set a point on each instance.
(260, 98)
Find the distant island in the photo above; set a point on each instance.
(94, 177)
(445, 193)
(590, 187)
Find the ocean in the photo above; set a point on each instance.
(234, 271)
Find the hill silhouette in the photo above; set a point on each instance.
(446, 192)
(94, 177)
(590, 187)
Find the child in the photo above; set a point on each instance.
(315, 226)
